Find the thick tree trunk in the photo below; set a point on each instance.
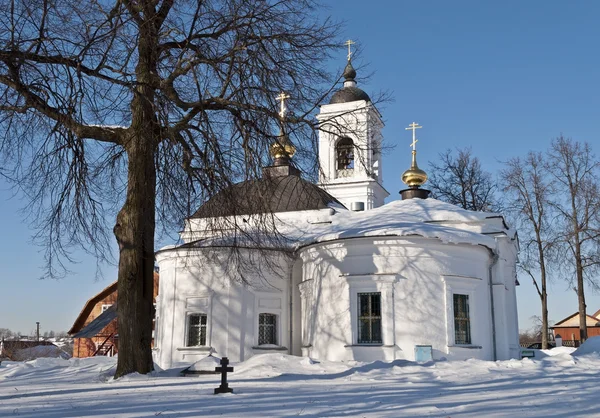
(136, 220)
(135, 234)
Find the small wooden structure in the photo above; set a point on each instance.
(95, 331)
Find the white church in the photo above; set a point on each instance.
(358, 279)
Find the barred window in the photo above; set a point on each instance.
(267, 329)
(462, 321)
(196, 330)
(369, 318)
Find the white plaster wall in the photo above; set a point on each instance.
(419, 296)
(232, 307)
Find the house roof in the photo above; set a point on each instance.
(98, 324)
(267, 195)
(573, 321)
(89, 305)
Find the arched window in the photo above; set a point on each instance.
(344, 152)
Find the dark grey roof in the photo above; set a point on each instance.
(266, 195)
(98, 324)
(349, 94)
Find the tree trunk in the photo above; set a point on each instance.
(136, 220)
(581, 299)
(135, 234)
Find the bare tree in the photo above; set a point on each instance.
(149, 107)
(460, 180)
(528, 189)
(576, 172)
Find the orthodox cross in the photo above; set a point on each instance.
(224, 388)
(281, 98)
(349, 43)
(413, 127)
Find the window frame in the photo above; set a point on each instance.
(274, 333)
(468, 286)
(187, 329)
(468, 340)
(371, 317)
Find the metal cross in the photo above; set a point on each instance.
(349, 43)
(413, 127)
(281, 98)
(224, 369)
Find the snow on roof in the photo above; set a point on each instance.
(428, 218)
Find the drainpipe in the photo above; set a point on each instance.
(493, 261)
(291, 319)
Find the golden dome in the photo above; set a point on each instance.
(414, 176)
(282, 148)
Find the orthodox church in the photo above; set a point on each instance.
(356, 279)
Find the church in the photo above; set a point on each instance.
(349, 277)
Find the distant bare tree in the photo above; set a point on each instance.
(149, 107)
(528, 189)
(460, 180)
(576, 171)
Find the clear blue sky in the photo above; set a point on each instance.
(499, 77)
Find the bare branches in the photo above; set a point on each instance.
(461, 181)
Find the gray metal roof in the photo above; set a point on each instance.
(97, 325)
(267, 195)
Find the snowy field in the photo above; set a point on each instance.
(558, 383)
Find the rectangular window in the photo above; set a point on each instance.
(462, 322)
(369, 318)
(105, 307)
(267, 329)
(196, 330)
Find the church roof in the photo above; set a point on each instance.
(349, 94)
(267, 195)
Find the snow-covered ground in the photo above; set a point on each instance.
(558, 383)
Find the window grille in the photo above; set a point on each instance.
(196, 330)
(345, 157)
(267, 329)
(369, 318)
(462, 321)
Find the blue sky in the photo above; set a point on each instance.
(500, 77)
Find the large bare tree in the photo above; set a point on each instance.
(528, 191)
(460, 180)
(147, 106)
(576, 171)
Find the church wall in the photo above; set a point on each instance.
(418, 273)
(191, 283)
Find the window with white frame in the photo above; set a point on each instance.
(105, 307)
(369, 318)
(196, 330)
(267, 329)
(462, 320)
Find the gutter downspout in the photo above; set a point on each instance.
(291, 319)
(493, 261)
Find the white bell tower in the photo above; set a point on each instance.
(350, 146)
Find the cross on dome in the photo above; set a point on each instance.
(281, 98)
(413, 127)
(349, 43)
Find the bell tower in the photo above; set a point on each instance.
(350, 146)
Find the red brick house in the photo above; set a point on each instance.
(568, 328)
(95, 330)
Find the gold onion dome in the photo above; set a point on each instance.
(282, 149)
(414, 176)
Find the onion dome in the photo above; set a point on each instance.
(282, 150)
(349, 93)
(414, 176)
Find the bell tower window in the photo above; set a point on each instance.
(344, 152)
